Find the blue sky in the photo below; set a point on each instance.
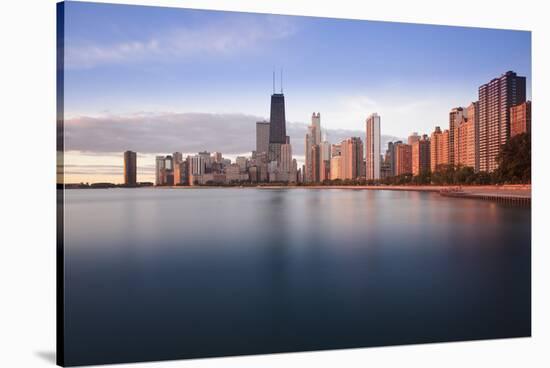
(124, 60)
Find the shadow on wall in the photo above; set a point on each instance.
(48, 356)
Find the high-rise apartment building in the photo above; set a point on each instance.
(414, 137)
(164, 170)
(520, 118)
(352, 157)
(495, 100)
(465, 143)
(389, 160)
(160, 168)
(130, 168)
(403, 159)
(472, 114)
(177, 157)
(169, 170)
(456, 115)
(336, 167)
(197, 165)
(242, 162)
(262, 136)
(181, 173)
(335, 150)
(439, 149)
(372, 143)
(421, 155)
(217, 157)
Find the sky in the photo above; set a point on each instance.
(158, 80)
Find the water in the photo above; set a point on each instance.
(156, 274)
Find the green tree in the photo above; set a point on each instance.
(514, 160)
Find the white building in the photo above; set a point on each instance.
(372, 143)
(313, 137)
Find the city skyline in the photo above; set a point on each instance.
(353, 78)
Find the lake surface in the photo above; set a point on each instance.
(154, 274)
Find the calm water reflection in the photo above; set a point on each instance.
(163, 274)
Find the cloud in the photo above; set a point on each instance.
(227, 37)
(183, 132)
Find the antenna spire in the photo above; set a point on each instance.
(273, 80)
(281, 80)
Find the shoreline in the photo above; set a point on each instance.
(507, 193)
(520, 193)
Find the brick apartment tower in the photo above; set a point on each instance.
(421, 155)
(520, 118)
(495, 101)
(352, 157)
(403, 159)
(439, 149)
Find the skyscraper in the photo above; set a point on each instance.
(315, 159)
(197, 165)
(456, 115)
(277, 120)
(421, 156)
(217, 156)
(520, 118)
(285, 166)
(262, 136)
(372, 143)
(177, 159)
(181, 173)
(294, 171)
(414, 137)
(313, 138)
(160, 168)
(403, 159)
(169, 170)
(390, 160)
(352, 157)
(277, 124)
(336, 150)
(130, 168)
(472, 114)
(465, 143)
(324, 171)
(495, 100)
(336, 167)
(316, 122)
(242, 162)
(439, 149)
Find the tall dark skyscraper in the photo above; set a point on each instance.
(130, 168)
(277, 120)
(495, 100)
(277, 123)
